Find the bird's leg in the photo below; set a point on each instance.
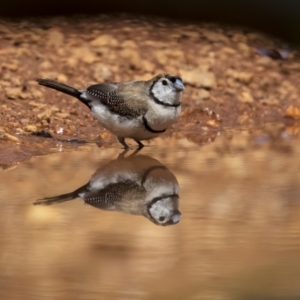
(122, 141)
(135, 152)
(141, 145)
(122, 154)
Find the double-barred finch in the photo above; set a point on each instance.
(137, 185)
(140, 110)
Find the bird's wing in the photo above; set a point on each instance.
(107, 197)
(113, 96)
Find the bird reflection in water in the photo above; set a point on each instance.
(136, 184)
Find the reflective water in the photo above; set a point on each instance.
(235, 230)
(137, 185)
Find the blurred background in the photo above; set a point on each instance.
(277, 17)
(240, 231)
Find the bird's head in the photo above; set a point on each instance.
(164, 210)
(166, 90)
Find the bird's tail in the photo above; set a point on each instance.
(69, 90)
(61, 198)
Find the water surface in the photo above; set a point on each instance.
(236, 235)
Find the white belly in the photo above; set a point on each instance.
(158, 120)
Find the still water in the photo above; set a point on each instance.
(174, 221)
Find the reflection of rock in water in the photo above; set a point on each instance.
(137, 185)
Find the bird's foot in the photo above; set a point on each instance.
(141, 145)
(122, 154)
(122, 141)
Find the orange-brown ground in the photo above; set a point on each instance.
(228, 84)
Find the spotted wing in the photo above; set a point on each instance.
(111, 95)
(111, 194)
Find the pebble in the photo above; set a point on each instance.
(30, 128)
(45, 115)
(154, 44)
(20, 131)
(48, 74)
(84, 54)
(13, 93)
(198, 78)
(161, 57)
(293, 130)
(228, 50)
(245, 97)
(54, 108)
(10, 66)
(148, 66)
(36, 94)
(24, 121)
(44, 123)
(238, 37)
(213, 123)
(263, 61)
(55, 38)
(37, 104)
(104, 40)
(62, 78)
(72, 61)
(129, 44)
(2, 131)
(244, 49)
(62, 115)
(203, 94)
(46, 64)
(102, 72)
(243, 119)
(292, 112)
(270, 101)
(9, 137)
(215, 37)
(174, 54)
(244, 77)
(133, 57)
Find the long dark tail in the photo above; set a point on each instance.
(69, 90)
(61, 198)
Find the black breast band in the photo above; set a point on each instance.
(149, 128)
(164, 103)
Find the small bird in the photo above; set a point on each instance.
(136, 185)
(140, 110)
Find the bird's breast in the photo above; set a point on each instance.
(162, 116)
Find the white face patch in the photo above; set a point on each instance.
(166, 91)
(165, 210)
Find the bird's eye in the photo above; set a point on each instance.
(161, 219)
(164, 82)
(173, 79)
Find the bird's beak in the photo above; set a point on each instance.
(176, 218)
(179, 85)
